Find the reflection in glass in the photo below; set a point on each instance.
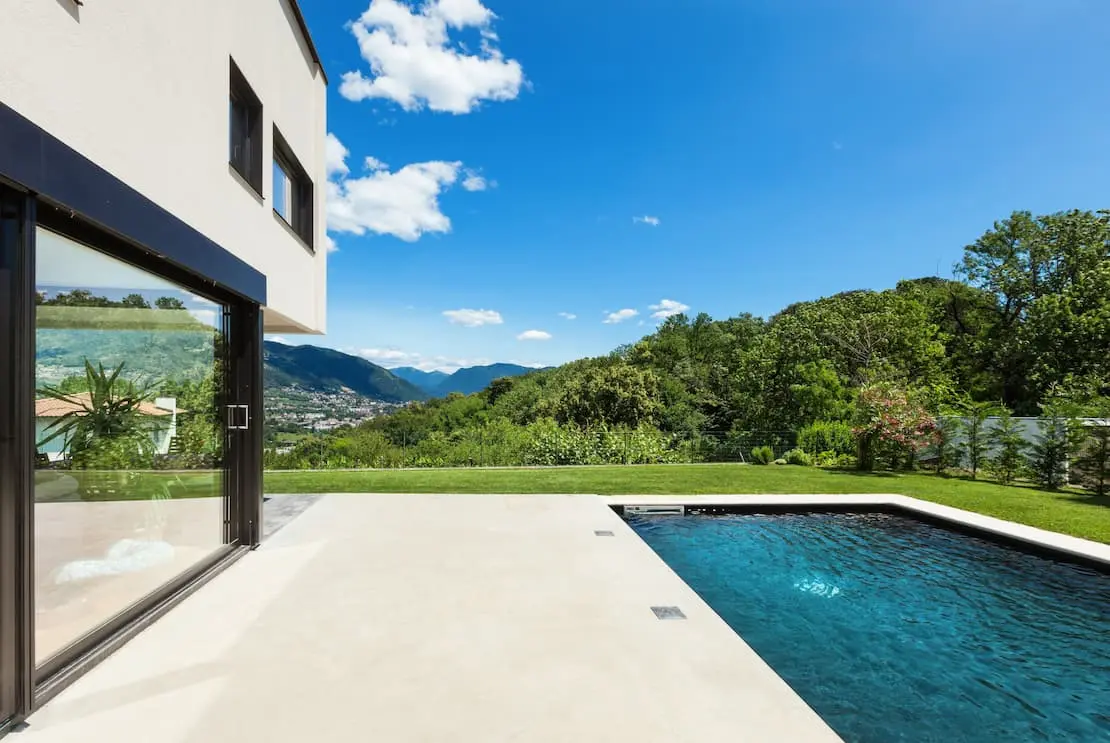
(129, 483)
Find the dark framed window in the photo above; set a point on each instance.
(292, 190)
(246, 130)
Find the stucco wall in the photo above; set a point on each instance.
(141, 88)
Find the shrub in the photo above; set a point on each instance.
(893, 427)
(1005, 438)
(949, 454)
(1092, 467)
(798, 457)
(1054, 445)
(832, 436)
(837, 461)
(763, 455)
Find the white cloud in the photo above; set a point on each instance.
(391, 358)
(414, 63)
(534, 335)
(278, 339)
(473, 318)
(648, 220)
(568, 316)
(387, 356)
(373, 163)
(335, 156)
(197, 299)
(329, 244)
(667, 308)
(475, 182)
(402, 203)
(208, 317)
(619, 316)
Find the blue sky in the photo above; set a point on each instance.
(593, 156)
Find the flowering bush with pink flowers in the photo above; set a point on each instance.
(891, 427)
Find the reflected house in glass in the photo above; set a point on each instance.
(145, 248)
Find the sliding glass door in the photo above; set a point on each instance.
(131, 419)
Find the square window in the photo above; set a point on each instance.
(292, 190)
(245, 111)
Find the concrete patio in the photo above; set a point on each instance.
(436, 618)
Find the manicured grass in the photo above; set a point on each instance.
(1066, 512)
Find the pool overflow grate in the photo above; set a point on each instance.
(602, 533)
(668, 612)
(654, 510)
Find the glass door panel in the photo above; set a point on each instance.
(130, 478)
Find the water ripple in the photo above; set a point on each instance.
(897, 630)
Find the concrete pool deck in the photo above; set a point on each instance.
(437, 618)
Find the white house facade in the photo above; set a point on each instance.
(162, 181)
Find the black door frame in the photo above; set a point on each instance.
(44, 182)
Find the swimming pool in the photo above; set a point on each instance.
(893, 629)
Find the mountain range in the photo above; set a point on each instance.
(327, 370)
(466, 380)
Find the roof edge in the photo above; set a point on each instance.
(299, 16)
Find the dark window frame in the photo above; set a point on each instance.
(302, 192)
(245, 146)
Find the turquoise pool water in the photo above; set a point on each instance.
(897, 630)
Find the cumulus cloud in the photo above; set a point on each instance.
(619, 316)
(414, 62)
(208, 317)
(568, 316)
(667, 308)
(335, 156)
(329, 244)
(403, 203)
(534, 335)
(646, 219)
(197, 299)
(475, 182)
(473, 318)
(391, 358)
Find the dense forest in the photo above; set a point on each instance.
(862, 377)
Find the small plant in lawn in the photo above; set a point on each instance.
(1008, 462)
(798, 457)
(763, 455)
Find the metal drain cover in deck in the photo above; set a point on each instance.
(602, 533)
(668, 612)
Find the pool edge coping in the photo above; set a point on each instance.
(1053, 542)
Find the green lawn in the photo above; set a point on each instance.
(1066, 512)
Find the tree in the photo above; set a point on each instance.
(949, 452)
(974, 449)
(169, 303)
(1055, 443)
(614, 395)
(1041, 271)
(1009, 445)
(892, 426)
(1092, 466)
(136, 301)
